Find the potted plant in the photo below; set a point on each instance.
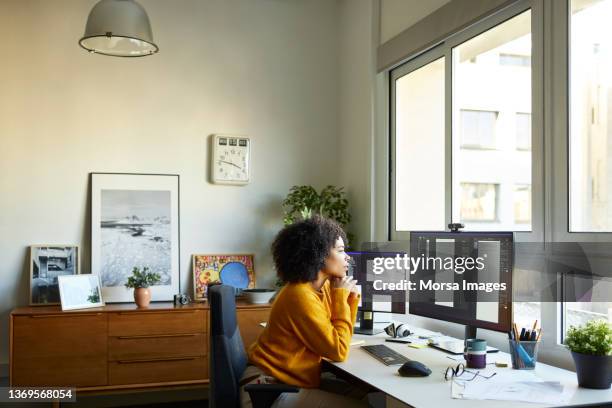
(303, 202)
(591, 347)
(140, 281)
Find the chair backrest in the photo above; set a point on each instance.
(228, 358)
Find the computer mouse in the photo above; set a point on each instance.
(414, 369)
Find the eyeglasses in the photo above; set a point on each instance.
(452, 372)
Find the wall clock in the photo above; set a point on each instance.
(231, 159)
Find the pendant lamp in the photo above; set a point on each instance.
(119, 28)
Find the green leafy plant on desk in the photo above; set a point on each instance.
(303, 202)
(140, 282)
(591, 347)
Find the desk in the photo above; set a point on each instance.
(433, 391)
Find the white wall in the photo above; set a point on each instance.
(398, 15)
(264, 68)
(356, 75)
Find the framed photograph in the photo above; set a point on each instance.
(236, 270)
(135, 222)
(80, 291)
(47, 263)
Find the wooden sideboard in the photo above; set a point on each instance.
(118, 346)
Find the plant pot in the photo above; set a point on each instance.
(142, 296)
(593, 371)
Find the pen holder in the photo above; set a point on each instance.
(524, 354)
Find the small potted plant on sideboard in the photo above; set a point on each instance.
(140, 281)
(591, 347)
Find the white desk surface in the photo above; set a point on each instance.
(434, 391)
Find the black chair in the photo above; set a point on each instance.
(228, 358)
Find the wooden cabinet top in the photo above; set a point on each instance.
(128, 307)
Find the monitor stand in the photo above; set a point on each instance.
(366, 324)
(470, 332)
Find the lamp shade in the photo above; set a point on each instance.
(119, 28)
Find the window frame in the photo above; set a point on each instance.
(407, 68)
(445, 48)
(558, 142)
(550, 30)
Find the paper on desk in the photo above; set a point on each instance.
(518, 389)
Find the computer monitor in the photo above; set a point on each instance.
(373, 298)
(476, 307)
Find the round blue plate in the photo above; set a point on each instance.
(235, 274)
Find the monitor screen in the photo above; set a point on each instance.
(373, 297)
(445, 288)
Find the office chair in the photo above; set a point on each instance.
(228, 358)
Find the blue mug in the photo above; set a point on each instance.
(475, 353)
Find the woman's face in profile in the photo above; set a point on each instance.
(337, 262)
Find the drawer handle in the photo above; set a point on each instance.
(154, 336)
(159, 312)
(156, 360)
(66, 315)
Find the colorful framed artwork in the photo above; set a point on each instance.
(135, 222)
(236, 270)
(47, 264)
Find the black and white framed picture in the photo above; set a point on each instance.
(47, 263)
(135, 222)
(80, 291)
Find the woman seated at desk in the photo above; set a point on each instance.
(312, 318)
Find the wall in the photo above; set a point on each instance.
(357, 39)
(398, 15)
(264, 68)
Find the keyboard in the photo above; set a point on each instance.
(385, 355)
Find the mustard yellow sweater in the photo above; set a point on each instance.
(305, 326)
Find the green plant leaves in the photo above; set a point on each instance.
(303, 202)
(142, 279)
(595, 338)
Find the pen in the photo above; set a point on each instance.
(522, 337)
(535, 324)
(533, 335)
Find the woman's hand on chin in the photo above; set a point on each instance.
(346, 282)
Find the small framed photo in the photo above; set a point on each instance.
(80, 291)
(47, 264)
(236, 270)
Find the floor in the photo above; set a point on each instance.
(158, 399)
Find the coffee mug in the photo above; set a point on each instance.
(475, 353)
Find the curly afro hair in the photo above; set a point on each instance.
(299, 250)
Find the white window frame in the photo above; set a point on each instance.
(549, 125)
(537, 131)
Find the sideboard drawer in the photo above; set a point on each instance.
(154, 371)
(62, 349)
(156, 322)
(249, 321)
(157, 346)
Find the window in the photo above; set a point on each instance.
(578, 313)
(523, 131)
(419, 159)
(478, 129)
(590, 146)
(486, 98)
(515, 60)
(466, 169)
(479, 202)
